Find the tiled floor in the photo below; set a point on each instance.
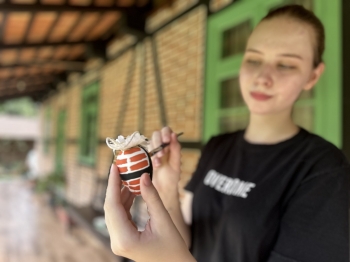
(30, 232)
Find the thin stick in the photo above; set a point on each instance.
(156, 150)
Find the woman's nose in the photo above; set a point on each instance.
(264, 77)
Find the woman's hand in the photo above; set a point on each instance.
(166, 163)
(160, 241)
(166, 176)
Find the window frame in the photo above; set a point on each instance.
(89, 108)
(60, 141)
(47, 130)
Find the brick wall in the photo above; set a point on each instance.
(181, 53)
(216, 5)
(167, 13)
(181, 47)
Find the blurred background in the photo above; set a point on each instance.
(73, 72)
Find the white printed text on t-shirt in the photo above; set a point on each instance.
(228, 185)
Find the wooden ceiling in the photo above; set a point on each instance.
(42, 41)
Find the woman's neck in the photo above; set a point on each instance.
(270, 129)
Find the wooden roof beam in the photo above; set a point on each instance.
(28, 89)
(42, 79)
(25, 45)
(70, 65)
(35, 94)
(38, 7)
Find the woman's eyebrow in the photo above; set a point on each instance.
(285, 55)
(253, 50)
(292, 56)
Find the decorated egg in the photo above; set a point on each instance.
(132, 163)
(132, 159)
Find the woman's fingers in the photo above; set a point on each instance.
(127, 200)
(116, 216)
(128, 203)
(113, 195)
(166, 137)
(155, 142)
(155, 206)
(126, 195)
(175, 153)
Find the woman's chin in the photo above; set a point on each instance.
(268, 111)
(259, 110)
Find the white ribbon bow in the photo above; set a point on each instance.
(122, 144)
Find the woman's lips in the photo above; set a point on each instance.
(260, 96)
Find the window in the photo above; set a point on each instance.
(235, 39)
(60, 141)
(230, 94)
(225, 110)
(308, 4)
(47, 130)
(231, 117)
(88, 139)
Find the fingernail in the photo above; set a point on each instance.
(146, 180)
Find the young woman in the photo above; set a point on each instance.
(273, 192)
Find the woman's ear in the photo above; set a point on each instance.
(315, 76)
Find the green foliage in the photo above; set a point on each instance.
(21, 106)
(52, 184)
(49, 183)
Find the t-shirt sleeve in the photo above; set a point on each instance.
(199, 173)
(315, 223)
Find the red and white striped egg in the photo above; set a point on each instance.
(132, 163)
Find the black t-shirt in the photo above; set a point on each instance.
(285, 202)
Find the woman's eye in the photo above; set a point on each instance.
(285, 67)
(253, 62)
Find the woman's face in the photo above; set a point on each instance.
(278, 65)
